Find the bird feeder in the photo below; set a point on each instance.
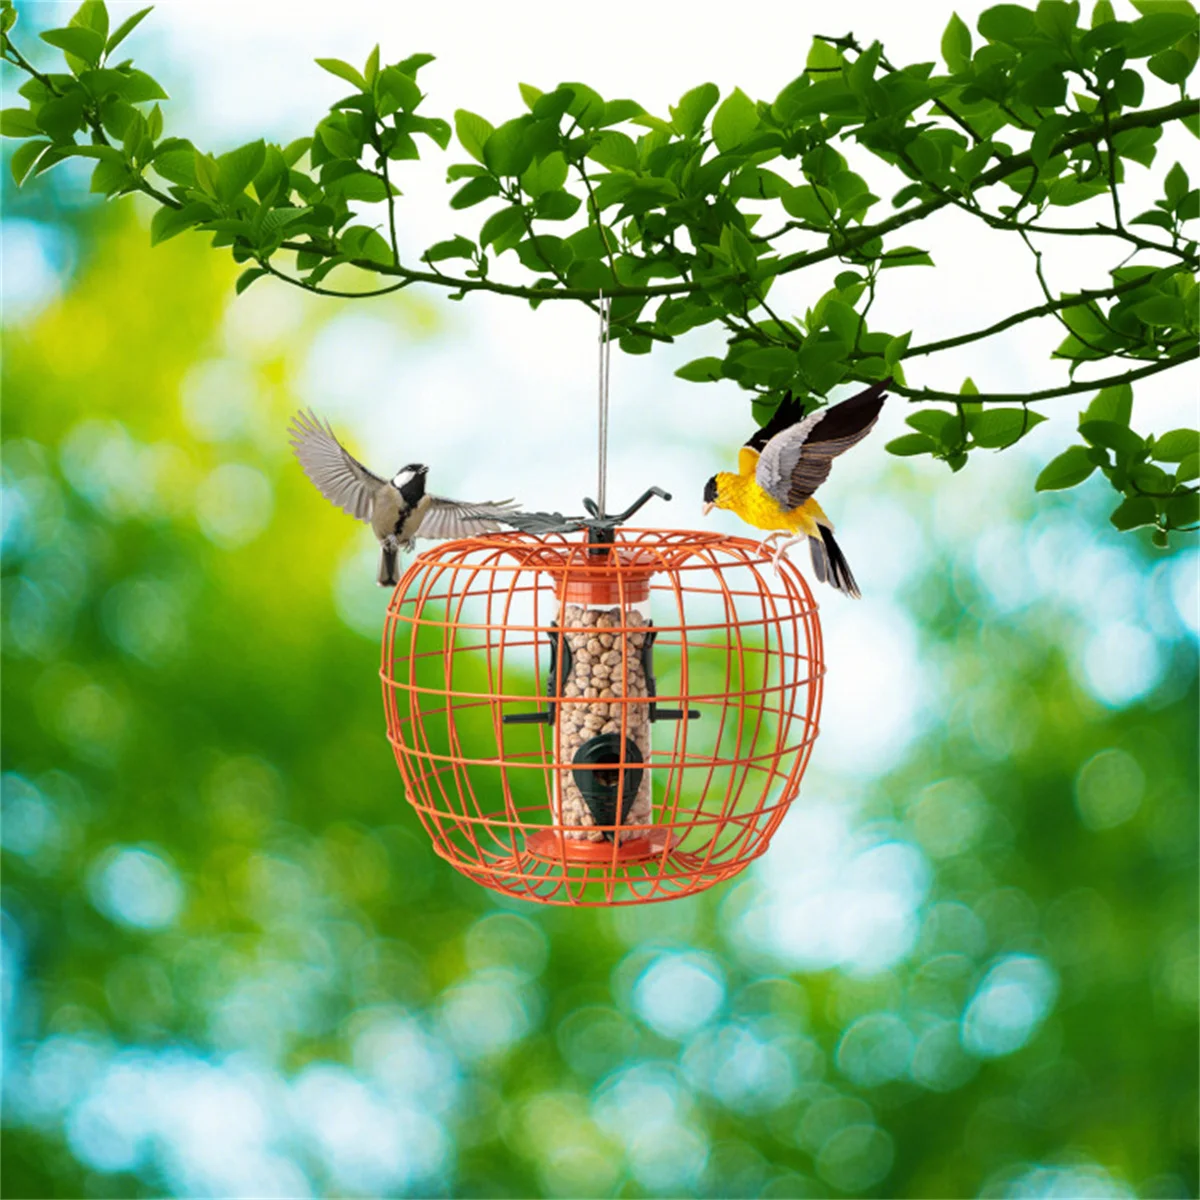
(613, 718)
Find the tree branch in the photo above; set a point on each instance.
(1029, 314)
(1082, 385)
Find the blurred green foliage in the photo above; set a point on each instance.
(233, 965)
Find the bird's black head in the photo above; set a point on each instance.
(710, 491)
(410, 481)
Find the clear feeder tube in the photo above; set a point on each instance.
(605, 702)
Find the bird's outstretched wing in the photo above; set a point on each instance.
(455, 518)
(338, 475)
(797, 460)
(789, 412)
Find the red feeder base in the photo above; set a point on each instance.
(551, 846)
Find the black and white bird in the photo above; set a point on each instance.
(399, 510)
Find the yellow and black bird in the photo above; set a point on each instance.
(399, 509)
(781, 467)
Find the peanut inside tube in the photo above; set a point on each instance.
(605, 693)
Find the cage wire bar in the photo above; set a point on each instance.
(467, 644)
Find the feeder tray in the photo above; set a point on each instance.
(614, 719)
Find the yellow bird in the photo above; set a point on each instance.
(780, 468)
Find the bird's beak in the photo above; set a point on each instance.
(708, 508)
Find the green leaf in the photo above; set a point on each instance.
(175, 160)
(556, 206)
(735, 121)
(343, 70)
(1045, 136)
(236, 169)
(702, 370)
(614, 150)
(911, 444)
(359, 242)
(586, 106)
(1157, 31)
(432, 127)
(1183, 511)
(1116, 437)
(336, 138)
(767, 360)
(996, 428)
(110, 177)
(1009, 23)
(413, 63)
(551, 105)
(473, 132)
(19, 123)
(125, 28)
(1171, 66)
(934, 422)
(1150, 479)
(503, 229)
(1127, 89)
(474, 191)
(1188, 469)
(893, 352)
(371, 70)
(359, 185)
(807, 203)
(395, 90)
(1056, 19)
(247, 277)
(530, 94)
(456, 247)
(956, 45)
(23, 158)
(616, 111)
(545, 253)
(1111, 404)
(906, 256)
(507, 150)
(1162, 310)
(842, 319)
(138, 87)
(1071, 467)
(78, 40)
(1176, 445)
(1133, 512)
(688, 115)
(92, 15)
(822, 56)
(546, 176)
(1154, 216)
(1176, 185)
(61, 117)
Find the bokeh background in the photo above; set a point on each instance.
(231, 964)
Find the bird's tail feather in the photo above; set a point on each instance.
(387, 567)
(830, 565)
(820, 560)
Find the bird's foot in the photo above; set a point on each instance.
(771, 538)
(781, 551)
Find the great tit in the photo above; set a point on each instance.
(399, 509)
(780, 468)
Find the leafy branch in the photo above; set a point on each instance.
(584, 196)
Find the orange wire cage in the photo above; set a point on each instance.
(608, 724)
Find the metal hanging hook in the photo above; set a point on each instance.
(605, 358)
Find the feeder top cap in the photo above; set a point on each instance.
(599, 525)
